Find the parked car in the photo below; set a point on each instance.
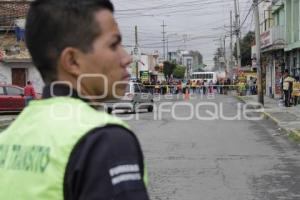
(136, 97)
(11, 98)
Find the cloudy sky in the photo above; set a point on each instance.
(192, 24)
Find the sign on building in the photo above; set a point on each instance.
(266, 39)
(144, 75)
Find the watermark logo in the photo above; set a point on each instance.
(201, 106)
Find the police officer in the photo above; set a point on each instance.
(60, 147)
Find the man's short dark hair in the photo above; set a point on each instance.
(286, 71)
(53, 25)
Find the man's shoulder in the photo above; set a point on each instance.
(110, 138)
(113, 134)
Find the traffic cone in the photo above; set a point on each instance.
(187, 95)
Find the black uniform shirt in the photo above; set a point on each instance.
(106, 164)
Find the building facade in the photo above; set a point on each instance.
(273, 42)
(16, 66)
(292, 49)
(18, 71)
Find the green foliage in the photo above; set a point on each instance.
(245, 45)
(179, 72)
(168, 68)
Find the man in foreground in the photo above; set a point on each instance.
(60, 147)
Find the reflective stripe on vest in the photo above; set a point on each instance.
(37, 146)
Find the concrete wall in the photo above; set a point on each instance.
(144, 64)
(36, 79)
(265, 18)
(5, 74)
(292, 18)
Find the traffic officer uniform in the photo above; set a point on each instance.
(85, 155)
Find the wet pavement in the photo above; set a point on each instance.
(217, 159)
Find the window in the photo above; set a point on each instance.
(277, 19)
(13, 91)
(1, 91)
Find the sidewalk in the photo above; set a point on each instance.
(286, 118)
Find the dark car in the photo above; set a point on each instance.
(11, 98)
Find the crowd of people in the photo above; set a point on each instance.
(190, 86)
(290, 87)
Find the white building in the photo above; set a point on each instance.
(15, 63)
(18, 69)
(146, 67)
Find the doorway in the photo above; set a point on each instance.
(19, 76)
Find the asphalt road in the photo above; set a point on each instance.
(220, 159)
(208, 157)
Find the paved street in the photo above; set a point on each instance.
(220, 159)
(217, 160)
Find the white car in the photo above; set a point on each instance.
(136, 97)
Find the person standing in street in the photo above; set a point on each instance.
(61, 147)
(287, 87)
(29, 93)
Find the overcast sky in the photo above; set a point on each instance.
(201, 22)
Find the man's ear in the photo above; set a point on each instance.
(69, 61)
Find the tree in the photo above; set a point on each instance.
(179, 72)
(246, 44)
(168, 69)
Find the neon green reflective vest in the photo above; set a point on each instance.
(35, 149)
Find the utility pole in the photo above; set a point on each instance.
(168, 48)
(136, 53)
(225, 60)
(164, 39)
(237, 32)
(257, 41)
(231, 33)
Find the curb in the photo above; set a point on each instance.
(240, 99)
(264, 113)
(296, 134)
(268, 115)
(292, 133)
